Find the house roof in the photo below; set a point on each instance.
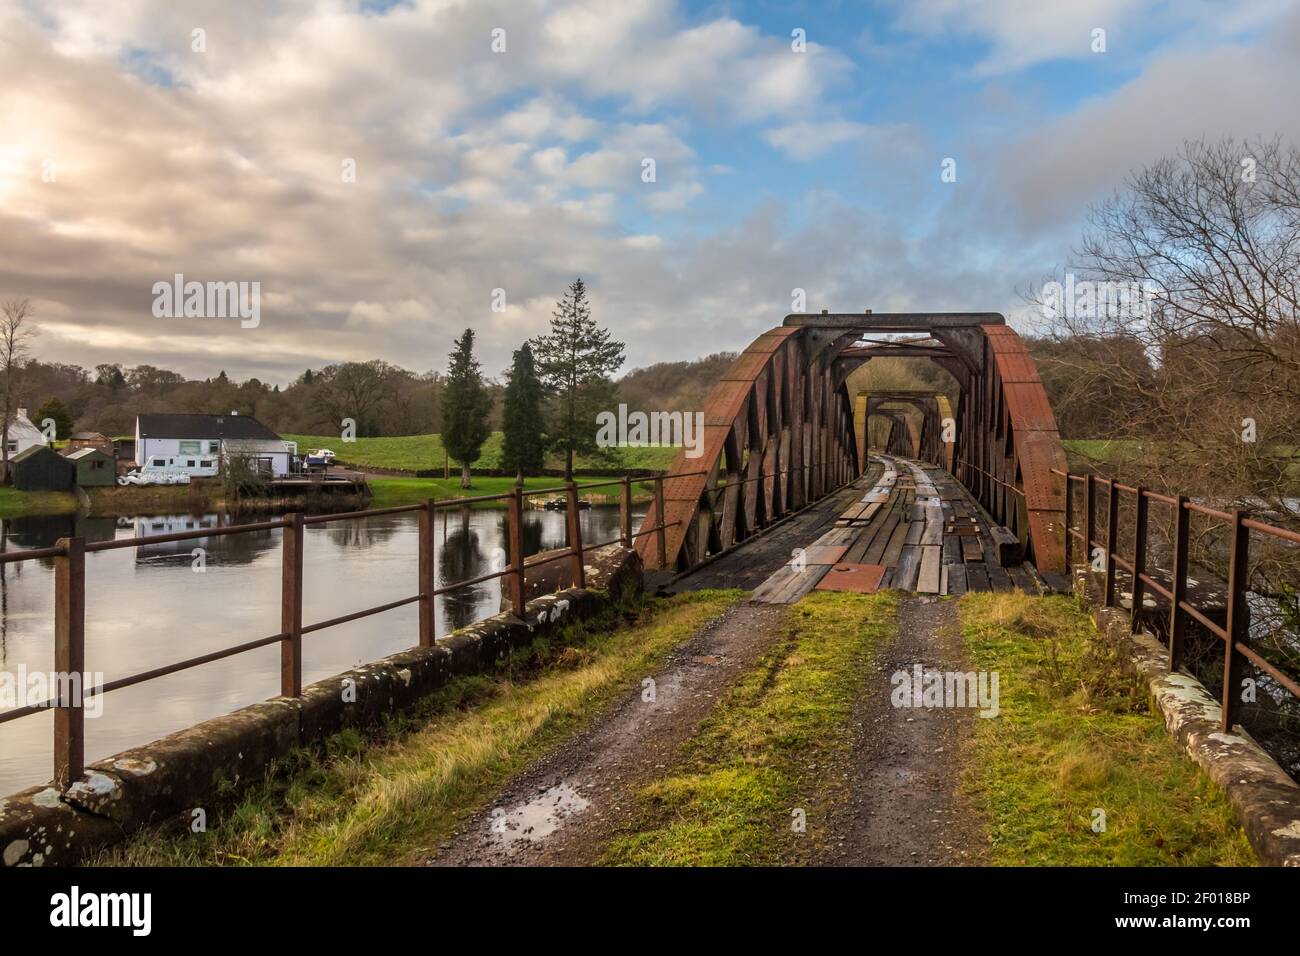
(81, 453)
(165, 425)
(21, 425)
(89, 436)
(31, 452)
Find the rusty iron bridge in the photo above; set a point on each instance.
(782, 431)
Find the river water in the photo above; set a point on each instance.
(156, 604)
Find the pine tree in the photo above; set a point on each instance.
(575, 361)
(465, 407)
(55, 410)
(524, 447)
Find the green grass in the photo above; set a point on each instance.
(1075, 735)
(392, 799)
(401, 491)
(1104, 449)
(15, 503)
(422, 452)
(730, 800)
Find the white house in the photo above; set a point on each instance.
(196, 445)
(23, 434)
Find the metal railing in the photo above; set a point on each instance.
(1234, 634)
(69, 556)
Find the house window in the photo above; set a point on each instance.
(206, 464)
(160, 462)
(190, 463)
(214, 447)
(13, 444)
(189, 448)
(96, 465)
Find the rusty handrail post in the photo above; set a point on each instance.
(626, 533)
(69, 660)
(1238, 615)
(1139, 557)
(1178, 581)
(1112, 541)
(660, 536)
(1089, 524)
(516, 531)
(428, 628)
(575, 534)
(1069, 537)
(291, 607)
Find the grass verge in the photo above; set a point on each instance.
(15, 503)
(422, 452)
(1076, 739)
(393, 797)
(777, 742)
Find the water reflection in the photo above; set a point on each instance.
(156, 604)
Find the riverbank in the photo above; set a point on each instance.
(138, 500)
(17, 504)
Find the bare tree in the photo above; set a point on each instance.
(15, 336)
(1196, 265)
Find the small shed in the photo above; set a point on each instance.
(90, 440)
(41, 468)
(94, 467)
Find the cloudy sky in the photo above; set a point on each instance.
(133, 148)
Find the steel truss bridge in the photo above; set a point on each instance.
(782, 430)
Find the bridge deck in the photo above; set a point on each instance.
(905, 525)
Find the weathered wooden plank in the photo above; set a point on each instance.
(1022, 579)
(909, 566)
(956, 578)
(893, 549)
(999, 579)
(977, 577)
(927, 581)
(933, 533)
(914, 531)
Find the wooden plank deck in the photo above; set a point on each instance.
(919, 524)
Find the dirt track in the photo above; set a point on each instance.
(901, 808)
(561, 811)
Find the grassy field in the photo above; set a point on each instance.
(729, 802)
(391, 800)
(421, 452)
(389, 492)
(1077, 748)
(15, 503)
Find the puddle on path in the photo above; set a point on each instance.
(538, 818)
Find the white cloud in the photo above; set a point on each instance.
(1021, 33)
(808, 140)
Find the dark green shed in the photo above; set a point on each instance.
(94, 467)
(41, 468)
